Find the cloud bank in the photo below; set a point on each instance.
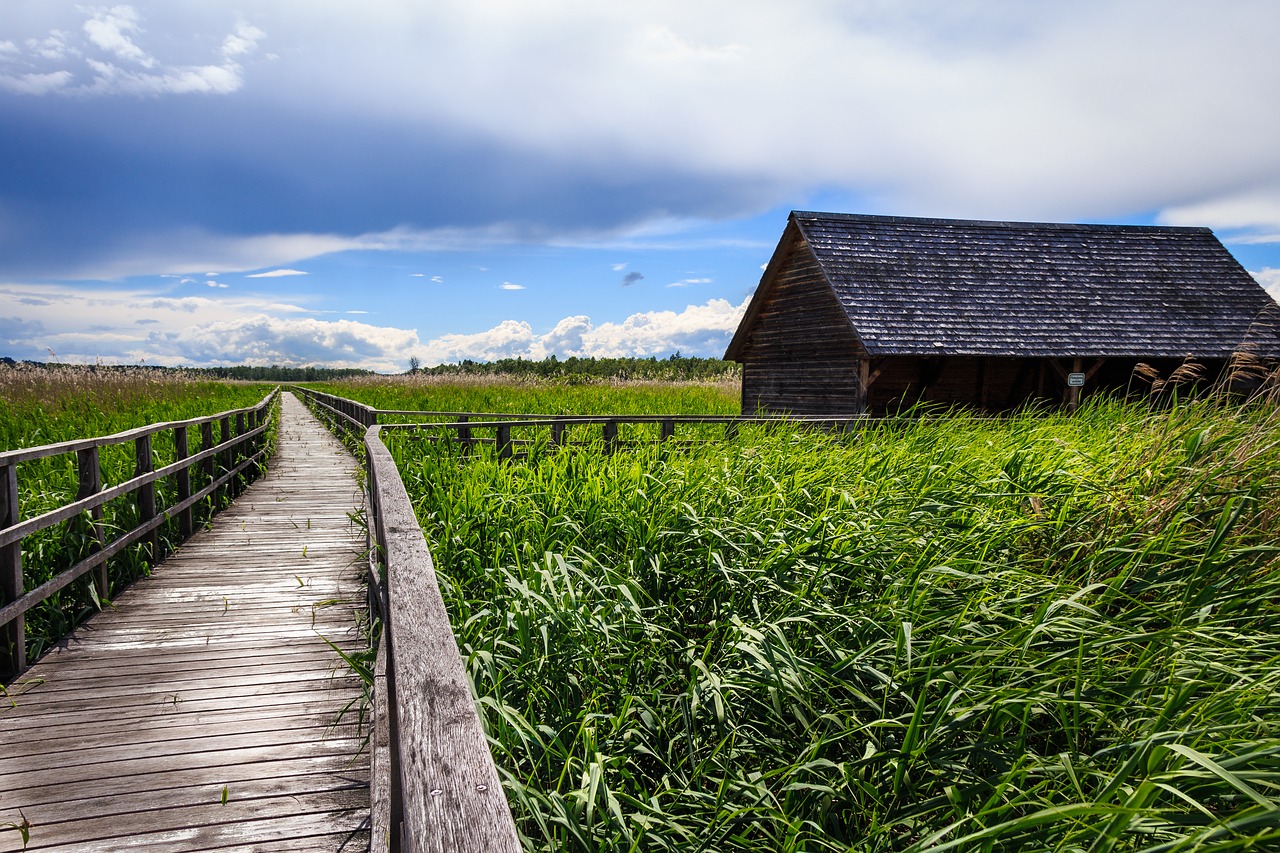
(697, 330)
(136, 325)
(102, 56)
(539, 122)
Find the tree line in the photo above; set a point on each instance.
(675, 368)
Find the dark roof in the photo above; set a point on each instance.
(940, 286)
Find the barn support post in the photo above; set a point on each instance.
(1073, 391)
(861, 393)
(984, 386)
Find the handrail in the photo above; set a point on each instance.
(251, 426)
(433, 785)
(351, 416)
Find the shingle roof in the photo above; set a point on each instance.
(935, 286)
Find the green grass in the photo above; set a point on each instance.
(53, 404)
(570, 396)
(1047, 632)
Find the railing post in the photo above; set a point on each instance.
(504, 441)
(146, 494)
(464, 434)
(181, 451)
(209, 466)
(225, 434)
(610, 435)
(668, 428)
(557, 433)
(241, 454)
(89, 473)
(15, 633)
(731, 430)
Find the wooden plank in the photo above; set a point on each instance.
(451, 797)
(213, 671)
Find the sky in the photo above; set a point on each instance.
(196, 182)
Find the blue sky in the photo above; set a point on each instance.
(343, 183)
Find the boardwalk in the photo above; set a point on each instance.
(209, 680)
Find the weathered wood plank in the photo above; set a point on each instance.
(452, 799)
(212, 672)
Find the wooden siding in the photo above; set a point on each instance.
(211, 675)
(801, 356)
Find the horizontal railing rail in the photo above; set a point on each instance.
(224, 464)
(433, 784)
(351, 416)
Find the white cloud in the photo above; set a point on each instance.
(1269, 278)
(110, 29)
(982, 108)
(108, 57)
(277, 273)
(507, 285)
(1252, 216)
(689, 282)
(35, 84)
(243, 41)
(264, 340)
(132, 324)
(129, 324)
(697, 330)
(508, 339)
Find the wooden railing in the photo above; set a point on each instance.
(221, 463)
(434, 785)
(470, 429)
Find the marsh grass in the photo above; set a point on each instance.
(1043, 632)
(53, 404)
(522, 395)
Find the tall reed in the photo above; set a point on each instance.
(1044, 632)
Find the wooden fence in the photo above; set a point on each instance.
(224, 466)
(434, 784)
(502, 430)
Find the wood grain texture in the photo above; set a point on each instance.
(213, 674)
(451, 797)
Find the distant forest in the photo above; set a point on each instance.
(675, 368)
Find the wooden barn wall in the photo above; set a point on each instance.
(800, 357)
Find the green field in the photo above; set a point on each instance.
(47, 405)
(1039, 633)
(567, 396)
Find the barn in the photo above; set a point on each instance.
(875, 313)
